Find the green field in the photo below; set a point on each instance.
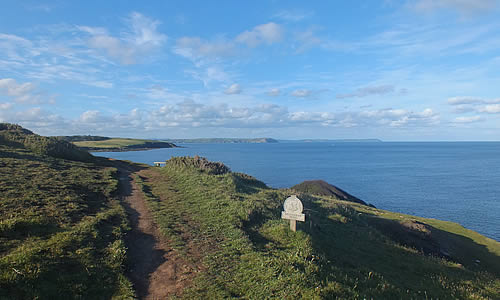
(121, 144)
(111, 143)
(345, 250)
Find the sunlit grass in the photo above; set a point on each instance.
(61, 229)
(111, 143)
(248, 251)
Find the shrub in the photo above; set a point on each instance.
(200, 163)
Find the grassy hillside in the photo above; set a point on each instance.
(17, 137)
(120, 144)
(61, 226)
(230, 224)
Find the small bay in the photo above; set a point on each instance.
(453, 181)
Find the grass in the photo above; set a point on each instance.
(230, 223)
(110, 143)
(120, 144)
(61, 227)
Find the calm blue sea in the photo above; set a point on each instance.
(457, 181)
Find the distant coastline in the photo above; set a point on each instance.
(222, 141)
(332, 141)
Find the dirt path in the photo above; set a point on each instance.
(154, 268)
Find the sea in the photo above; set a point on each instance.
(452, 181)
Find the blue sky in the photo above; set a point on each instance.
(395, 70)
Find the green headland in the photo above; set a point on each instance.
(68, 230)
(107, 144)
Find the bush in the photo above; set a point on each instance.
(200, 163)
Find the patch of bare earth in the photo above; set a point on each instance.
(155, 269)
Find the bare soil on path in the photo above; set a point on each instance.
(155, 270)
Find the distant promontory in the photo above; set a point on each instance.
(222, 140)
(108, 144)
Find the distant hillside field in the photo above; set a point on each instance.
(121, 144)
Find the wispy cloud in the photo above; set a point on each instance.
(142, 38)
(368, 91)
(301, 93)
(233, 89)
(466, 104)
(468, 120)
(292, 15)
(464, 7)
(195, 48)
(26, 92)
(269, 33)
(274, 92)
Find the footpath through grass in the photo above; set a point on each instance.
(61, 224)
(230, 224)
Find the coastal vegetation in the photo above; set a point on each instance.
(344, 249)
(64, 229)
(61, 223)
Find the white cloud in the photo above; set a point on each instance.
(15, 48)
(301, 93)
(464, 100)
(274, 92)
(195, 48)
(142, 38)
(188, 115)
(368, 91)
(269, 33)
(209, 74)
(306, 40)
(490, 109)
(22, 92)
(292, 16)
(466, 120)
(233, 89)
(465, 104)
(39, 7)
(5, 106)
(93, 116)
(466, 7)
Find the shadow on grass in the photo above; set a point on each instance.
(367, 252)
(247, 184)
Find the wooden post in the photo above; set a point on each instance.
(293, 225)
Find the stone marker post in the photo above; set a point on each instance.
(293, 211)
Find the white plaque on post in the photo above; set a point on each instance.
(293, 211)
